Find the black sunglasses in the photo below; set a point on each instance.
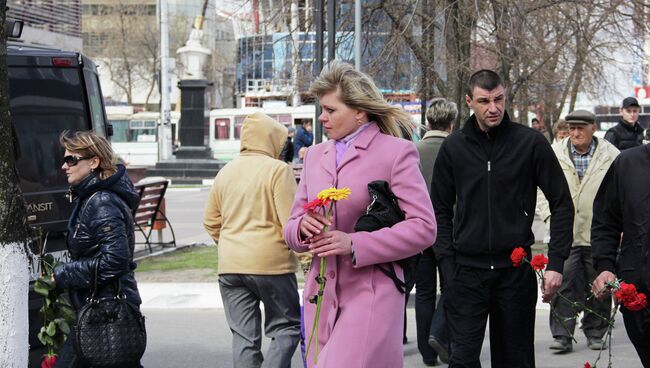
(74, 160)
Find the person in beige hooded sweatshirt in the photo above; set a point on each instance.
(247, 209)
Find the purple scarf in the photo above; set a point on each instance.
(344, 143)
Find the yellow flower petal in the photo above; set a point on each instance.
(334, 194)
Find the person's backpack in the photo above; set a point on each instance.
(383, 212)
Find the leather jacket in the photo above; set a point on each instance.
(101, 233)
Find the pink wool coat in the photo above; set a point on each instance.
(361, 319)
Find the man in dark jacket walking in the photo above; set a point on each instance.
(490, 171)
(287, 151)
(621, 208)
(304, 138)
(430, 322)
(627, 133)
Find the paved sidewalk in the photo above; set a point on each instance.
(200, 338)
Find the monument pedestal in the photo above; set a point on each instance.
(194, 119)
(193, 162)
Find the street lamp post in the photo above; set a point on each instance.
(319, 9)
(164, 128)
(357, 34)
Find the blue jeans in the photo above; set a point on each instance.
(425, 302)
(439, 328)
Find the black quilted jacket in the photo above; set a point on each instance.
(100, 228)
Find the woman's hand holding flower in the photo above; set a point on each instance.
(331, 243)
(312, 224)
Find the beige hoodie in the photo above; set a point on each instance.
(250, 202)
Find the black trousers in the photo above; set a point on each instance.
(578, 275)
(425, 302)
(637, 325)
(508, 296)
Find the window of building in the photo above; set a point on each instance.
(222, 128)
(239, 121)
(125, 131)
(120, 131)
(143, 130)
(284, 119)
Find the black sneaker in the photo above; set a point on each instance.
(430, 363)
(440, 348)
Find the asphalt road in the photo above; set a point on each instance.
(201, 338)
(185, 208)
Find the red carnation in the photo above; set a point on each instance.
(517, 256)
(49, 361)
(626, 293)
(640, 301)
(539, 262)
(587, 365)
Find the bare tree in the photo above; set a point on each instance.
(14, 279)
(130, 53)
(550, 51)
(547, 51)
(437, 34)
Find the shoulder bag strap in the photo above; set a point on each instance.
(118, 288)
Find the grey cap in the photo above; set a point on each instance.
(291, 129)
(580, 117)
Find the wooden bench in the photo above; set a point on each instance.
(149, 215)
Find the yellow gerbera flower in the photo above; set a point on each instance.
(334, 194)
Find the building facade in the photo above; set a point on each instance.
(49, 23)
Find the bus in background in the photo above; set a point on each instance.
(225, 125)
(135, 134)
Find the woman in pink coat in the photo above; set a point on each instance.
(361, 321)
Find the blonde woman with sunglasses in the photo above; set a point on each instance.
(100, 229)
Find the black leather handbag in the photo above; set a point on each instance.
(110, 332)
(384, 211)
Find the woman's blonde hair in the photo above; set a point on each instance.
(89, 144)
(358, 91)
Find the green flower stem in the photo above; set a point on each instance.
(556, 317)
(608, 336)
(561, 321)
(56, 314)
(582, 307)
(321, 288)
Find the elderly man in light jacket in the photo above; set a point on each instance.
(584, 159)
